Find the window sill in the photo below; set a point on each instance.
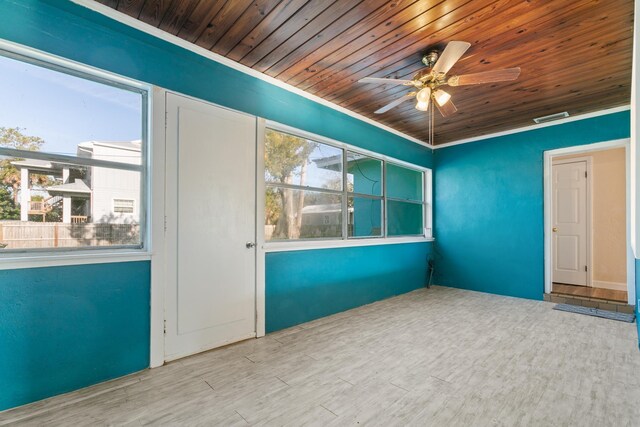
(12, 261)
(335, 244)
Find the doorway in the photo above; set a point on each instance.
(210, 226)
(587, 251)
(571, 220)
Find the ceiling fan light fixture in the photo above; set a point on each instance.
(424, 95)
(441, 97)
(425, 84)
(422, 106)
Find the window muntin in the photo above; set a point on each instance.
(359, 210)
(78, 142)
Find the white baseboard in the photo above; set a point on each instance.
(616, 286)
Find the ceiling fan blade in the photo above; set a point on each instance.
(446, 109)
(452, 53)
(377, 80)
(395, 103)
(485, 77)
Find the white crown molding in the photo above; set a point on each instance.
(536, 126)
(170, 38)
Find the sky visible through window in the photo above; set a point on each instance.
(325, 176)
(65, 110)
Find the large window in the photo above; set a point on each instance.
(316, 190)
(72, 159)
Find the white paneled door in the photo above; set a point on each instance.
(570, 223)
(210, 196)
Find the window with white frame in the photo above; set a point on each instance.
(318, 190)
(72, 145)
(124, 206)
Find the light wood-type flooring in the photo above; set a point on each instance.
(436, 357)
(588, 292)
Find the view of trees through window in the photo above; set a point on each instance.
(10, 175)
(69, 147)
(303, 198)
(309, 197)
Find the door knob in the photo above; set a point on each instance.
(555, 229)
(250, 245)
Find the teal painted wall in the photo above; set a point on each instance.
(71, 294)
(489, 206)
(64, 328)
(306, 285)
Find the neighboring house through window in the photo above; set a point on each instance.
(123, 206)
(318, 190)
(72, 159)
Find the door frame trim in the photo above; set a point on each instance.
(589, 193)
(586, 149)
(157, 215)
(260, 213)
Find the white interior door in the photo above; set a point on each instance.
(570, 223)
(210, 196)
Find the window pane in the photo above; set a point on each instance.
(364, 174)
(302, 214)
(48, 204)
(58, 111)
(365, 217)
(404, 183)
(404, 219)
(298, 161)
(64, 205)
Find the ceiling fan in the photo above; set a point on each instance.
(428, 82)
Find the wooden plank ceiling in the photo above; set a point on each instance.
(575, 55)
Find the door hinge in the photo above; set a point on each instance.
(585, 268)
(585, 174)
(165, 223)
(165, 326)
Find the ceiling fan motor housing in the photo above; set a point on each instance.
(431, 58)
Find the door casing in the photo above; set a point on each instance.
(585, 149)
